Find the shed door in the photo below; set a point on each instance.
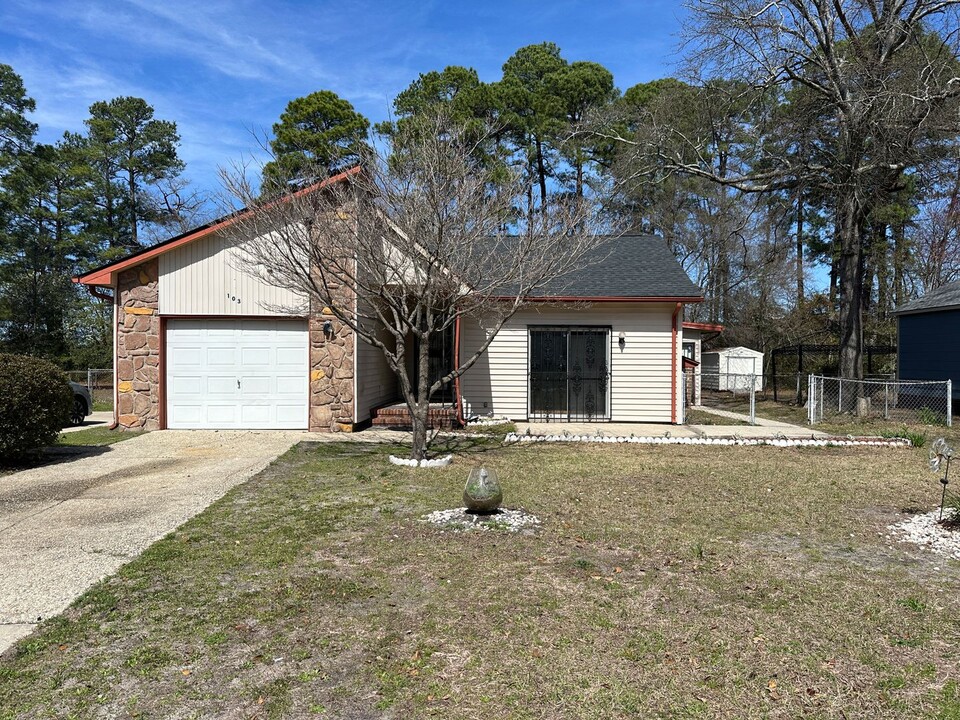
(247, 374)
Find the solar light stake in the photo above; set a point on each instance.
(940, 455)
(944, 481)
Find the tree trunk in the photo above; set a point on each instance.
(421, 411)
(850, 274)
(883, 272)
(899, 261)
(800, 293)
(132, 189)
(542, 172)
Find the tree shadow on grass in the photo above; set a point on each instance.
(50, 456)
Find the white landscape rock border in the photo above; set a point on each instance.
(485, 420)
(410, 462)
(780, 441)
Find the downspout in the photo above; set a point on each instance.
(456, 381)
(673, 363)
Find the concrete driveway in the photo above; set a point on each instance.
(66, 525)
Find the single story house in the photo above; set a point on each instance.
(201, 343)
(928, 337)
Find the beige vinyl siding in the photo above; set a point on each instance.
(376, 382)
(210, 276)
(640, 374)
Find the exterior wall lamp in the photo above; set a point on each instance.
(622, 340)
(327, 329)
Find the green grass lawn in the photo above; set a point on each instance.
(681, 582)
(95, 436)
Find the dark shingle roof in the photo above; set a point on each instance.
(628, 266)
(945, 296)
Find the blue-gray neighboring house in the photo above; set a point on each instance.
(928, 337)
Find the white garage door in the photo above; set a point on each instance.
(249, 374)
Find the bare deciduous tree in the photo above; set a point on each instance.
(877, 81)
(423, 236)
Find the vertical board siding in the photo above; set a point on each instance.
(376, 382)
(640, 374)
(928, 347)
(211, 276)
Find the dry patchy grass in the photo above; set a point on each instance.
(665, 582)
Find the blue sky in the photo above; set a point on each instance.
(222, 70)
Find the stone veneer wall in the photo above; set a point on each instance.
(138, 348)
(332, 366)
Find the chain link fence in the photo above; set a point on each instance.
(927, 402)
(716, 397)
(99, 381)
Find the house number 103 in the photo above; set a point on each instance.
(233, 298)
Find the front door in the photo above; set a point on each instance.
(569, 374)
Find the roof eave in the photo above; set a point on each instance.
(104, 276)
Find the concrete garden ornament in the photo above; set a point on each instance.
(482, 494)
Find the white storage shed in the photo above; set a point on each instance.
(732, 369)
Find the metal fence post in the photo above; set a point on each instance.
(886, 400)
(683, 398)
(753, 399)
(90, 381)
(949, 403)
(839, 395)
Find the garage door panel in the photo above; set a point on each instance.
(290, 385)
(252, 386)
(224, 414)
(291, 357)
(237, 373)
(184, 356)
(184, 415)
(222, 386)
(251, 357)
(186, 385)
(289, 413)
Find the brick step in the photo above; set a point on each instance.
(398, 416)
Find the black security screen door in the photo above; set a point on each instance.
(569, 374)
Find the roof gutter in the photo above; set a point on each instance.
(601, 298)
(673, 363)
(456, 359)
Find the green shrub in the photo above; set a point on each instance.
(35, 404)
(917, 439)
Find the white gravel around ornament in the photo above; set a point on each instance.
(458, 519)
(410, 462)
(925, 531)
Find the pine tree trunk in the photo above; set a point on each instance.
(542, 172)
(850, 272)
(800, 292)
(899, 261)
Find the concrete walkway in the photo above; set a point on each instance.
(776, 425)
(66, 525)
